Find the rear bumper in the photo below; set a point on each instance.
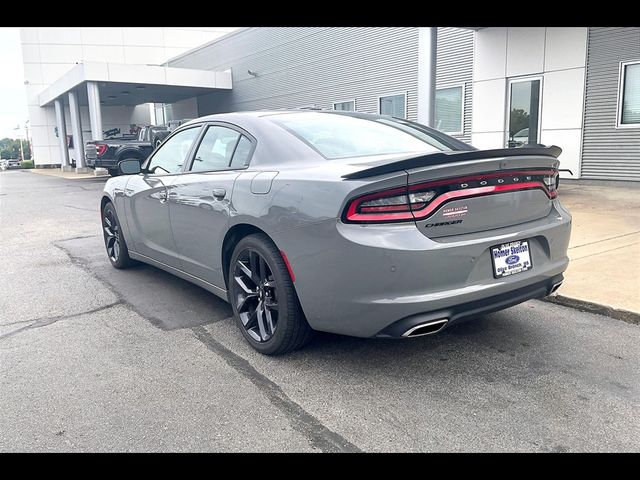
(467, 311)
(361, 280)
(93, 162)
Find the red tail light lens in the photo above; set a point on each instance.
(393, 205)
(100, 149)
(419, 201)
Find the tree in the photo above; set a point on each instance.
(10, 148)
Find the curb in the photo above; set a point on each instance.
(584, 306)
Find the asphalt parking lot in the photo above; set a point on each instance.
(96, 359)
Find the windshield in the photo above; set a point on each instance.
(342, 136)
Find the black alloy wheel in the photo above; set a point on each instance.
(257, 296)
(114, 241)
(111, 235)
(263, 298)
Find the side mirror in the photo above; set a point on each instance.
(129, 167)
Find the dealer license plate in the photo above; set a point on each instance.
(511, 258)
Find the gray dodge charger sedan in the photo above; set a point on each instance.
(350, 223)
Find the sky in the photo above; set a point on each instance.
(13, 98)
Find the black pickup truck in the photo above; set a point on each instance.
(108, 153)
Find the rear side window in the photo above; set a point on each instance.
(221, 148)
(342, 136)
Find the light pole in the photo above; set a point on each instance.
(26, 131)
(21, 149)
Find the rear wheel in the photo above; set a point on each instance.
(114, 241)
(113, 172)
(264, 301)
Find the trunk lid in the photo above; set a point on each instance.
(474, 196)
(455, 193)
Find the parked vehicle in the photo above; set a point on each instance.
(6, 164)
(109, 152)
(342, 222)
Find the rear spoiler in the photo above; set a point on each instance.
(440, 158)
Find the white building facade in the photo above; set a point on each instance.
(49, 53)
(495, 87)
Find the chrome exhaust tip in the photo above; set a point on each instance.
(427, 328)
(555, 287)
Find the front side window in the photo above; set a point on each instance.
(394, 105)
(342, 136)
(524, 112)
(449, 108)
(172, 154)
(630, 104)
(348, 106)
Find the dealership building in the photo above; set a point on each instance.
(494, 87)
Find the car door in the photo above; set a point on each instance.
(200, 200)
(148, 192)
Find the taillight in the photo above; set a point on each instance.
(393, 205)
(419, 201)
(551, 181)
(100, 149)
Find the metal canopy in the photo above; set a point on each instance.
(132, 94)
(130, 85)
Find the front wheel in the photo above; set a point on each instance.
(264, 302)
(114, 241)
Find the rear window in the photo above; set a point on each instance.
(342, 136)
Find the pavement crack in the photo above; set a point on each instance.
(604, 240)
(46, 321)
(302, 421)
(80, 208)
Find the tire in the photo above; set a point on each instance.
(114, 241)
(113, 172)
(253, 304)
(156, 142)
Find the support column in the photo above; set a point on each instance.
(62, 136)
(76, 130)
(427, 58)
(95, 111)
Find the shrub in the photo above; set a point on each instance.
(27, 164)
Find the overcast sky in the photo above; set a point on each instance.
(13, 98)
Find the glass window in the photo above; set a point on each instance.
(215, 150)
(172, 154)
(524, 101)
(394, 105)
(342, 136)
(242, 154)
(631, 94)
(448, 114)
(348, 106)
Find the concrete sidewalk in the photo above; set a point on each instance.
(56, 172)
(604, 248)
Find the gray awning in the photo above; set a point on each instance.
(122, 84)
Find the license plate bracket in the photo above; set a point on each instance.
(511, 258)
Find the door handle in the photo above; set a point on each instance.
(162, 196)
(219, 193)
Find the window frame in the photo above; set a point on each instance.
(144, 167)
(511, 81)
(620, 99)
(394, 94)
(351, 100)
(462, 113)
(198, 141)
